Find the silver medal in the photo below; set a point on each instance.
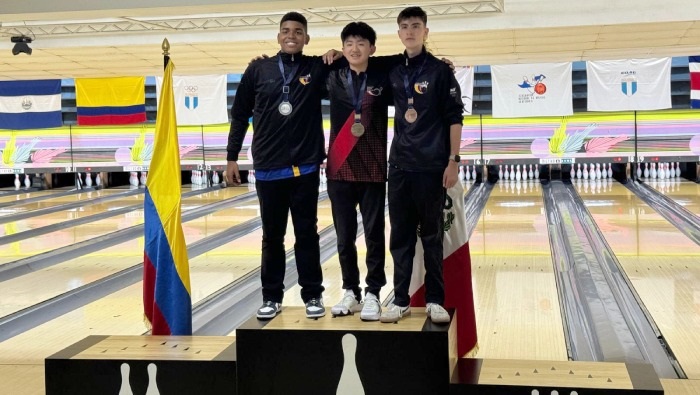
(285, 108)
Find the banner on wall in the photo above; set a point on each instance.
(30, 104)
(465, 78)
(632, 84)
(110, 101)
(694, 68)
(532, 90)
(199, 100)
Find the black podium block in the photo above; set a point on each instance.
(137, 364)
(518, 377)
(292, 354)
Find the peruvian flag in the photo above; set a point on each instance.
(694, 66)
(456, 271)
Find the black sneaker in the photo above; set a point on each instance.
(314, 308)
(269, 310)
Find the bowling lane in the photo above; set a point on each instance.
(661, 263)
(18, 197)
(121, 313)
(85, 196)
(68, 236)
(682, 191)
(18, 293)
(515, 293)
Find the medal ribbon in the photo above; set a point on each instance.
(357, 96)
(286, 78)
(414, 77)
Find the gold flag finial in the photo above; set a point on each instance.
(166, 47)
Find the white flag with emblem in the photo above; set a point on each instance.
(199, 100)
(631, 84)
(532, 90)
(465, 78)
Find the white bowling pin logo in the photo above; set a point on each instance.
(125, 389)
(350, 383)
(152, 383)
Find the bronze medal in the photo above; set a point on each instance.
(411, 115)
(357, 129)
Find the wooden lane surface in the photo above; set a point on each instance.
(39, 221)
(121, 313)
(684, 192)
(68, 236)
(515, 294)
(85, 196)
(21, 292)
(661, 263)
(29, 194)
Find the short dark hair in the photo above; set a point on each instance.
(412, 12)
(359, 29)
(295, 17)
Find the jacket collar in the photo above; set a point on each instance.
(290, 58)
(415, 61)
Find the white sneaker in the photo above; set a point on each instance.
(437, 314)
(348, 305)
(370, 308)
(394, 313)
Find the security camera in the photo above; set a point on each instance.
(21, 45)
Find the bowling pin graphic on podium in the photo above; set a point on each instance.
(350, 383)
(125, 388)
(152, 382)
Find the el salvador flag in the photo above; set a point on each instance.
(30, 104)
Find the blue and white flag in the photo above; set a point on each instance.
(30, 104)
(199, 99)
(631, 84)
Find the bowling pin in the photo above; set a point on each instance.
(125, 388)
(88, 179)
(506, 174)
(654, 173)
(578, 172)
(500, 172)
(461, 173)
(152, 388)
(18, 183)
(661, 172)
(639, 170)
(530, 173)
(215, 178)
(350, 382)
(678, 169)
(518, 175)
(585, 171)
(512, 172)
(598, 173)
(142, 180)
(27, 181)
(98, 180)
(646, 170)
(474, 173)
(537, 172)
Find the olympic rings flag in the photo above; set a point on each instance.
(199, 100)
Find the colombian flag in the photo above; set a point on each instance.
(166, 273)
(110, 101)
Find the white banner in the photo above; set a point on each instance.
(199, 100)
(465, 78)
(633, 84)
(532, 90)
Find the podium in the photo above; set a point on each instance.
(139, 364)
(292, 354)
(505, 377)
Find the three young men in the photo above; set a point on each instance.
(288, 147)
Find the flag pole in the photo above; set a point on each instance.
(166, 52)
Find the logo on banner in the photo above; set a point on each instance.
(421, 87)
(535, 87)
(191, 97)
(27, 104)
(628, 82)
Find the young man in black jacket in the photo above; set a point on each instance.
(423, 161)
(283, 95)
